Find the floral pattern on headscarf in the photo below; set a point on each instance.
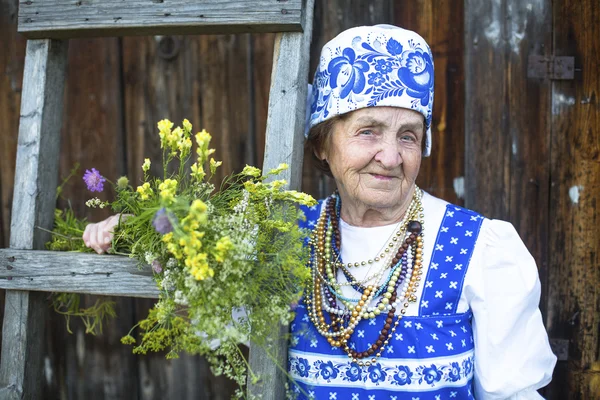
(373, 66)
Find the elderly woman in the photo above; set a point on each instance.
(412, 297)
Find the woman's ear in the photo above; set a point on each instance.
(320, 155)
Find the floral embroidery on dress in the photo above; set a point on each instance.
(353, 373)
(376, 374)
(402, 376)
(327, 370)
(428, 374)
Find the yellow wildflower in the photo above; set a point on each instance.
(203, 140)
(251, 171)
(184, 145)
(198, 207)
(164, 130)
(214, 165)
(280, 168)
(146, 165)
(187, 126)
(167, 190)
(197, 172)
(198, 266)
(222, 247)
(168, 237)
(145, 191)
(278, 184)
(300, 197)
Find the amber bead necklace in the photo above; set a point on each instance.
(396, 293)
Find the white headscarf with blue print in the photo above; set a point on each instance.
(369, 66)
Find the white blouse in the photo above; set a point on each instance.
(502, 288)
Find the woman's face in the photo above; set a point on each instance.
(374, 154)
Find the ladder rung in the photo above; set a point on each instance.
(62, 19)
(56, 271)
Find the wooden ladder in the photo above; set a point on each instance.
(26, 271)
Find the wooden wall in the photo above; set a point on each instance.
(511, 147)
(533, 158)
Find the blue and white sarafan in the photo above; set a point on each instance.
(370, 66)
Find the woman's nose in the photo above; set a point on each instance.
(388, 156)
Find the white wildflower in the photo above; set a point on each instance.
(96, 203)
(150, 257)
(180, 298)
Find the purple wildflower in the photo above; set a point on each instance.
(161, 222)
(156, 267)
(93, 180)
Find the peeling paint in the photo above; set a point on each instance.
(516, 38)
(48, 370)
(492, 32)
(459, 187)
(574, 193)
(559, 101)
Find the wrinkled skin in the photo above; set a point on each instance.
(374, 155)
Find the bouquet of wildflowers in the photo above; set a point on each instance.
(227, 262)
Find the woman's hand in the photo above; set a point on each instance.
(99, 236)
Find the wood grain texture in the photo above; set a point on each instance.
(33, 206)
(574, 262)
(12, 57)
(507, 117)
(441, 24)
(51, 271)
(284, 143)
(487, 141)
(69, 19)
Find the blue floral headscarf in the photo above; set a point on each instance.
(369, 66)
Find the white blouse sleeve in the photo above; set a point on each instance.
(512, 353)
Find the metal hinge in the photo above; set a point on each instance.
(551, 67)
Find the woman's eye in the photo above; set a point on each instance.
(366, 132)
(407, 138)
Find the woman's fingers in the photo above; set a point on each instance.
(99, 236)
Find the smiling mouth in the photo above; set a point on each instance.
(382, 177)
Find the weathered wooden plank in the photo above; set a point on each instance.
(574, 262)
(487, 143)
(33, 205)
(12, 56)
(284, 143)
(68, 19)
(441, 23)
(55, 271)
(287, 102)
(529, 32)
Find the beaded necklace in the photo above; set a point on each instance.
(396, 292)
